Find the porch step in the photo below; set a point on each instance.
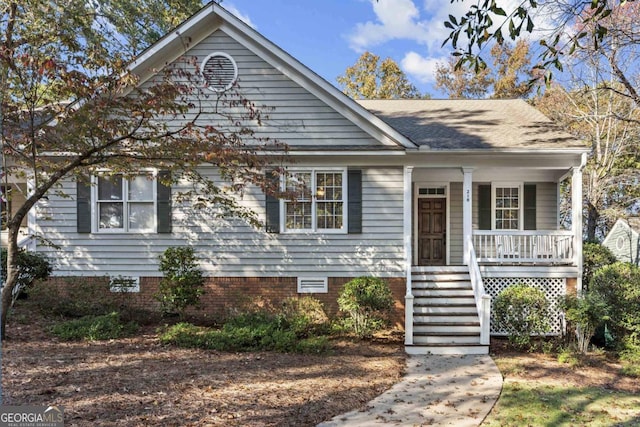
(445, 317)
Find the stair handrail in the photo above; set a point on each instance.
(483, 300)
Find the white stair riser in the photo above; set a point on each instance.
(441, 269)
(444, 310)
(460, 349)
(461, 277)
(455, 284)
(442, 293)
(448, 328)
(461, 319)
(445, 340)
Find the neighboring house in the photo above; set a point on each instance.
(447, 200)
(623, 239)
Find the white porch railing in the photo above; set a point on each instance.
(515, 247)
(483, 300)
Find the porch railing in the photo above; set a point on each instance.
(516, 247)
(483, 300)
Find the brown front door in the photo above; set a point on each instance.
(432, 220)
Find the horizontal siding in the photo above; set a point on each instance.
(546, 206)
(623, 243)
(455, 239)
(233, 248)
(291, 114)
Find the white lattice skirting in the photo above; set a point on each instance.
(552, 288)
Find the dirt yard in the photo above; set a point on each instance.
(137, 381)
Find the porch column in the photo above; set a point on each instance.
(467, 204)
(408, 254)
(576, 221)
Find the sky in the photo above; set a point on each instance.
(330, 35)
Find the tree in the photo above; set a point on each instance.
(71, 104)
(509, 77)
(576, 23)
(608, 123)
(369, 78)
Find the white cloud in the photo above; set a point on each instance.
(243, 17)
(421, 68)
(396, 19)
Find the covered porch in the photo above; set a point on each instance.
(490, 226)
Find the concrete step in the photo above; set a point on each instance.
(447, 349)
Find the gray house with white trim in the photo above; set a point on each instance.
(450, 201)
(623, 240)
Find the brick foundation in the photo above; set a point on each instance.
(223, 294)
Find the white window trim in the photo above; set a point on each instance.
(125, 220)
(314, 230)
(507, 184)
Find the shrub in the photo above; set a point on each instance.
(522, 311)
(367, 301)
(94, 328)
(285, 331)
(31, 266)
(79, 297)
(595, 256)
(182, 284)
(585, 314)
(306, 316)
(619, 287)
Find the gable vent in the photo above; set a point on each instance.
(220, 71)
(312, 285)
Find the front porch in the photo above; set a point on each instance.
(462, 253)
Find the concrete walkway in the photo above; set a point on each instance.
(437, 390)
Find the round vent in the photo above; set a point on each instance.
(219, 71)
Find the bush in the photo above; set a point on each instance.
(94, 328)
(31, 266)
(585, 314)
(287, 331)
(182, 284)
(78, 298)
(595, 256)
(367, 301)
(619, 287)
(522, 311)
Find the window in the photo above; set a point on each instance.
(507, 207)
(319, 203)
(125, 205)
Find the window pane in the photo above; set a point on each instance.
(141, 188)
(110, 188)
(507, 208)
(141, 216)
(110, 215)
(300, 184)
(298, 216)
(329, 215)
(329, 186)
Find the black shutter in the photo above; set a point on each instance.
(529, 200)
(83, 204)
(484, 207)
(163, 203)
(272, 206)
(354, 200)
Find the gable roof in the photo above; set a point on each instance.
(473, 124)
(213, 17)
